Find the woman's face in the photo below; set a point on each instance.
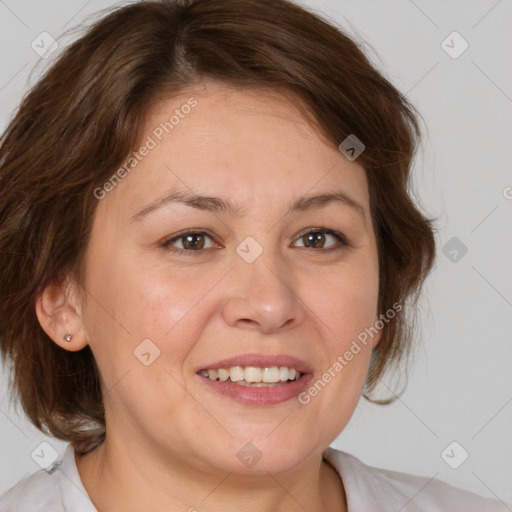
(253, 283)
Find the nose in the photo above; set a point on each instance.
(263, 296)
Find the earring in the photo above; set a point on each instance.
(68, 337)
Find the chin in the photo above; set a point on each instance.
(263, 456)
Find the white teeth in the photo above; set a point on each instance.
(213, 374)
(253, 375)
(283, 373)
(270, 374)
(236, 373)
(223, 374)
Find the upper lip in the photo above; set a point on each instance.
(261, 361)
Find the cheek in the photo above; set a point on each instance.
(162, 301)
(131, 306)
(144, 301)
(345, 301)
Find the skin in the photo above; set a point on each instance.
(171, 442)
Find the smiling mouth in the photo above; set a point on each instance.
(253, 376)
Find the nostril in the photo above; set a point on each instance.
(246, 321)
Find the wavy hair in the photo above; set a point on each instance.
(79, 122)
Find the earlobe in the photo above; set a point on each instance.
(59, 313)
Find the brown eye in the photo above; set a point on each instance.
(193, 241)
(318, 238)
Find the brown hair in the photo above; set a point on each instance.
(80, 121)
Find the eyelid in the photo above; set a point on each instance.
(167, 242)
(343, 240)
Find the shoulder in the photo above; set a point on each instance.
(58, 489)
(39, 492)
(369, 488)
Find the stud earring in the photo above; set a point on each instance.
(68, 337)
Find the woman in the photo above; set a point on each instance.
(208, 251)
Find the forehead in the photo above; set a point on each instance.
(249, 144)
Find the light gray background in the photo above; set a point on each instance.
(460, 384)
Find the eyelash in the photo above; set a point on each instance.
(343, 242)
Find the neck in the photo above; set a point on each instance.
(125, 477)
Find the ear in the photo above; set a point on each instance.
(59, 312)
(376, 339)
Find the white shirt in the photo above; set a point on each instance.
(368, 489)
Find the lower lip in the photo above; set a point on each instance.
(267, 395)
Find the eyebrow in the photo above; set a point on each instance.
(224, 205)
